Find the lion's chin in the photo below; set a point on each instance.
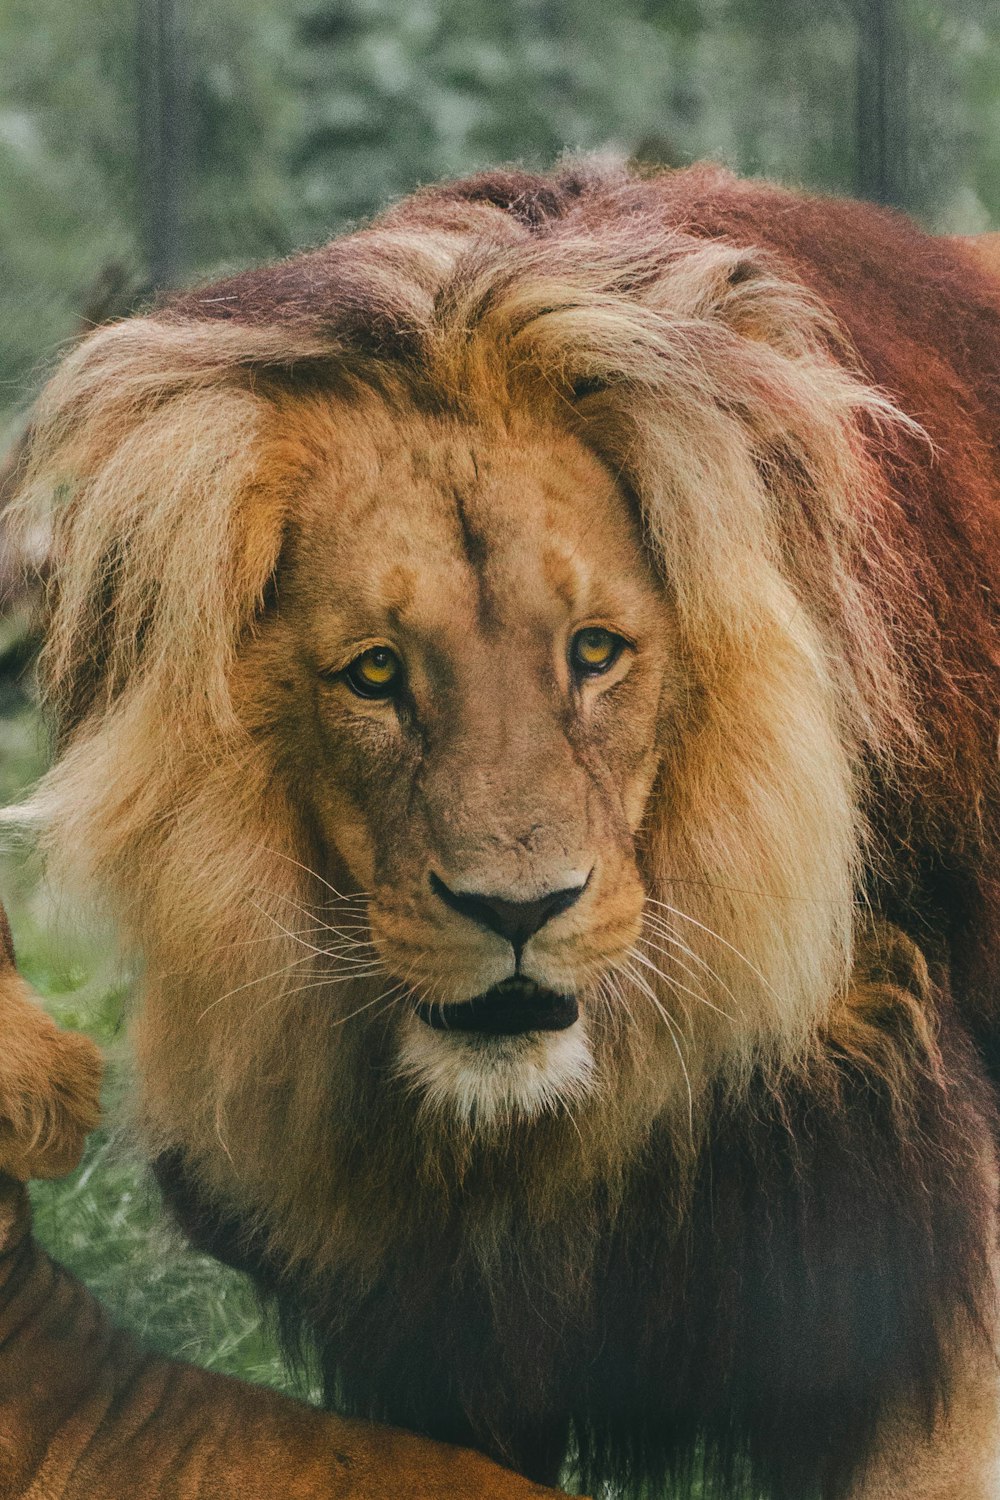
(486, 1078)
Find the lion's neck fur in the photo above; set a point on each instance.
(664, 1318)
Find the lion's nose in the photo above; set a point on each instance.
(516, 921)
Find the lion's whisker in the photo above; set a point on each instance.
(253, 942)
(315, 907)
(304, 911)
(663, 929)
(392, 994)
(361, 970)
(677, 985)
(318, 984)
(618, 994)
(696, 995)
(646, 987)
(314, 874)
(282, 928)
(658, 1001)
(249, 983)
(605, 1016)
(595, 978)
(672, 1030)
(346, 941)
(738, 890)
(685, 917)
(692, 973)
(600, 1010)
(346, 949)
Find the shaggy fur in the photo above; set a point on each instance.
(764, 428)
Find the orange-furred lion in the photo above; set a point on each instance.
(526, 678)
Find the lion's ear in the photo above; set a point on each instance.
(150, 456)
(49, 1082)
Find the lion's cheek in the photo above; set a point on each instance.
(626, 734)
(346, 834)
(358, 785)
(637, 789)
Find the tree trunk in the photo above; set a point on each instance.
(161, 136)
(882, 103)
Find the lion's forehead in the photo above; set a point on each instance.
(437, 529)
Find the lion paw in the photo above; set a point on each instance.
(49, 1082)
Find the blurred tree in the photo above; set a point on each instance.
(71, 168)
(953, 62)
(162, 115)
(67, 206)
(300, 119)
(777, 80)
(407, 91)
(883, 102)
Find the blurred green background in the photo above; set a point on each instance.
(145, 143)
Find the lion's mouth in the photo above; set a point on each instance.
(508, 1009)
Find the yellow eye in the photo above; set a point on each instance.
(594, 650)
(376, 673)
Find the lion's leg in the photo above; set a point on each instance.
(959, 1459)
(49, 1081)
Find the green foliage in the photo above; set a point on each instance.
(297, 120)
(400, 93)
(71, 168)
(105, 1223)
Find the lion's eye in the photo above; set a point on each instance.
(594, 650)
(376, 673)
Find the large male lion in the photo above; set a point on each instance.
(527, 682)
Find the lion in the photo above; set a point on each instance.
(86, 1414)
(526, 683)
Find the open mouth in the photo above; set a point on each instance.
(508, 1009)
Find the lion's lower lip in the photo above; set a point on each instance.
(508, 1009)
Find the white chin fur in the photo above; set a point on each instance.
(485, 1080)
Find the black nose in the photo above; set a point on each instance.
(516, 921)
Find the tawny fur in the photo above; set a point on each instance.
(48, 1082)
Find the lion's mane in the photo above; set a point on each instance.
(802, 398)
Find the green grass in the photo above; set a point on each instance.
(105, 1222)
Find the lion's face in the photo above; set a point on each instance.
(469, 662)
(507, 582)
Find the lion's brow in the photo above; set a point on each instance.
(476, 550)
